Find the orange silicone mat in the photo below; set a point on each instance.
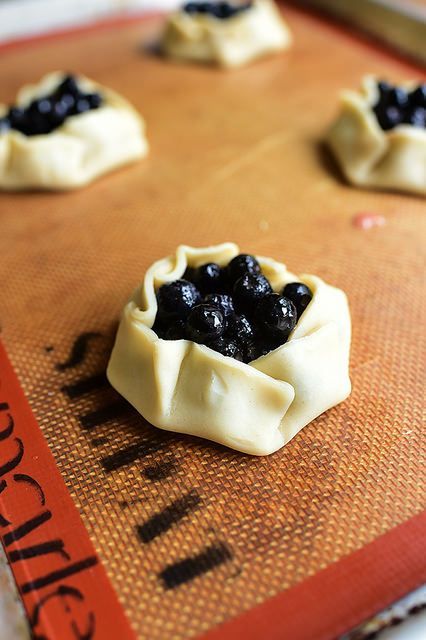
(192, 534)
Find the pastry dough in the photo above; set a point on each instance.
(81, 149)
(231, 42)
(370, 156)
(255, 408)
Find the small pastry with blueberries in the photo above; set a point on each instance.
(232, 348)
(64, 132)
(229, 34)
(379, 137)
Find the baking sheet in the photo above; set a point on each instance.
(234, 156)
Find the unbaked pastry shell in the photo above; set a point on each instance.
(255, 408)
(233, 42)
(84, 147)
(370, 156)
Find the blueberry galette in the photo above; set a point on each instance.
(229, 34)
(64, 132)
(232, 348)
(379, 137)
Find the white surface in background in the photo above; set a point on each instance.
(23, 18)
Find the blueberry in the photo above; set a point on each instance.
(222, 301)
(68, 85)
(82, 105)
(159, 327)
(18, 118)
(208, 277)
(416, 117)
(240, 265)
(176, 299)
(68, 101)
(227, 348)
(257, 348)
(58, 114)
(417, 97)
(398, 97)
(177, 331)
(276, 316)
(389, 117)
(250, 289)
(205, 323)
(42, 106)
(299, 294)
(240, 329)
(94, 100)
(384, 89)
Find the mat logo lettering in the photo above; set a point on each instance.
(24, 514)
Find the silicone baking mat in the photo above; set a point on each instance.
(192, 534)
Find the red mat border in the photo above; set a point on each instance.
(62, 583)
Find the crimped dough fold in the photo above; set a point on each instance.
(232, 42)
(81, 149)
(255, 408)
(370, 156)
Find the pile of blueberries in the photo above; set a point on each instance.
(221, 10)
(397, 106)
(46, 114)
(232, 310)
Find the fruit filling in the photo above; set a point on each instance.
(221, 10)
(397, 106)
(231, 309)
(47, 113)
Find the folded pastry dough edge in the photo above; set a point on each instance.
(84, 147)
(255, 408)
(230, 43)
(368, 155)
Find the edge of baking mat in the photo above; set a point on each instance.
(310, 12)
(66, 591)
(338, 598)
(63, 585)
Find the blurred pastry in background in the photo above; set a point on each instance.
(229, 34)
(64, 132)
(379, 136)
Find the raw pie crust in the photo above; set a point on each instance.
(81, 149)
(255, 408)
(232, 42)
(370, 156)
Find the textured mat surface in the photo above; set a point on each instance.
(235, 156)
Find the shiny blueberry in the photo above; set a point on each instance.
(398, 97)
(208, 277)
(276, 316)
(240, 328)
(250, 289)
(299, 294)
(176, 299)
(226, 347)
(388, 117)
(205, 323)
(416, 117)
(222, 301)
(241, 265)
(82, 105)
